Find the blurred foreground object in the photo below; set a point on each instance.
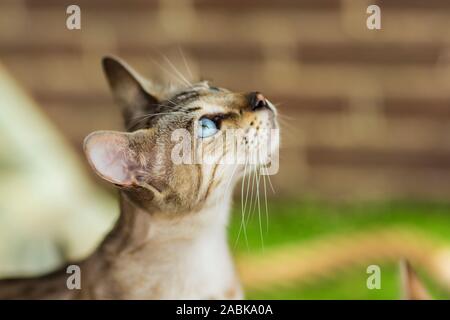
(49, 210)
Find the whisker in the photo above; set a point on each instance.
(265, 199)
(173, 103)
(255, 188)
(138, 120)
(179, 80)
(230, 180)
(270, 181)
(185, 63)
(146, 116)
(242, 209)
(283, 116)
(176, 71)
(259, 208)
(292, 129)
(250, 207)
(248, 187)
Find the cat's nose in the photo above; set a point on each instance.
(257, 101)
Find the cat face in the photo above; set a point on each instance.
(184, 147)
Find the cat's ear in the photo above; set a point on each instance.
(110, 156)
(128, 89)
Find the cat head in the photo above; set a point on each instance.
(184, 147)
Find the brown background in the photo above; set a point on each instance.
(366, 112)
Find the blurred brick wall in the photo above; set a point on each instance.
(366, 113)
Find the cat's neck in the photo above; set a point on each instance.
(136, 226)
(180, 256)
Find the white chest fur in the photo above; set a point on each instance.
(180, 258)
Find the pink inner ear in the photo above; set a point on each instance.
(108, 154)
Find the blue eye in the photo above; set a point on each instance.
(207, 128)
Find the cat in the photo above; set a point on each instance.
(170, 241)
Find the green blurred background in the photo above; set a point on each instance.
(365, 160)
(307, 222)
